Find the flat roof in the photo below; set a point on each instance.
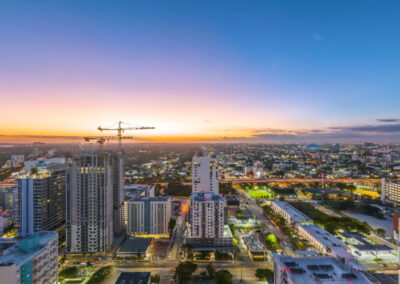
(133, 278)
(135, 245)
(326, 191)
(295, 214)
(253, 244)
(15, 255)
(361, 242)
(151, 199)
(327, 239)
(205, 196)
(318, 269)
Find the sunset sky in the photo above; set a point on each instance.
(230, 71)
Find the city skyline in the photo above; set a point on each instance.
(201, 72)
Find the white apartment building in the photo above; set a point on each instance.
(89, 224)
(324, 241)
(148, 216)
(289, 213)
(206, 215)
(32, 260)
(390, 191)
(204, 175)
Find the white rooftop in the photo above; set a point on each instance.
(328, 240)
(318, 269)
(296, 215)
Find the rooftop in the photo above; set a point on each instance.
(205, 196)
(318, 269)
(327, 239)
(362, 243)
(26, 248)
(253, 244)
(133, 278)
(326, 191)
(296, 215)
(135, 245)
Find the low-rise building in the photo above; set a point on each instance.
(289, 213)
(324, 241)
(32, 260)
(254, 247)
(315, 269)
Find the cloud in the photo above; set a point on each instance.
(207, 121)
(388, 120)
(381, 128)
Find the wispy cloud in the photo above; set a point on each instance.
(388, 120)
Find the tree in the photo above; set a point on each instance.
(272, 241)
(155, 278)
(264, 274)
(381, 231)
(69, 272)
(210, 270)
(223, 277)
(184, 271)
(171, 226)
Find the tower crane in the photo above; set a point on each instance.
(102, 139)
(121, 130)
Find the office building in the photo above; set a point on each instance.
(315, 269)
(32, 260)
(204, 175)
(41, 199)
(148, 216)
(89, 225)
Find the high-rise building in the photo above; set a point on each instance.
(204, 175)
(206, 215)
(117, 164)
(148, 216)
(208, 227)
(90, 203)
(41, 199)
(32, 260)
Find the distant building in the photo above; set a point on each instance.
(390, 191)
(8, 198)
(32, 260)
(148, 216)
(41, 199)
(315, 269)
(325, 193)
(90, 202)
(258, 169)
(204, 175)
